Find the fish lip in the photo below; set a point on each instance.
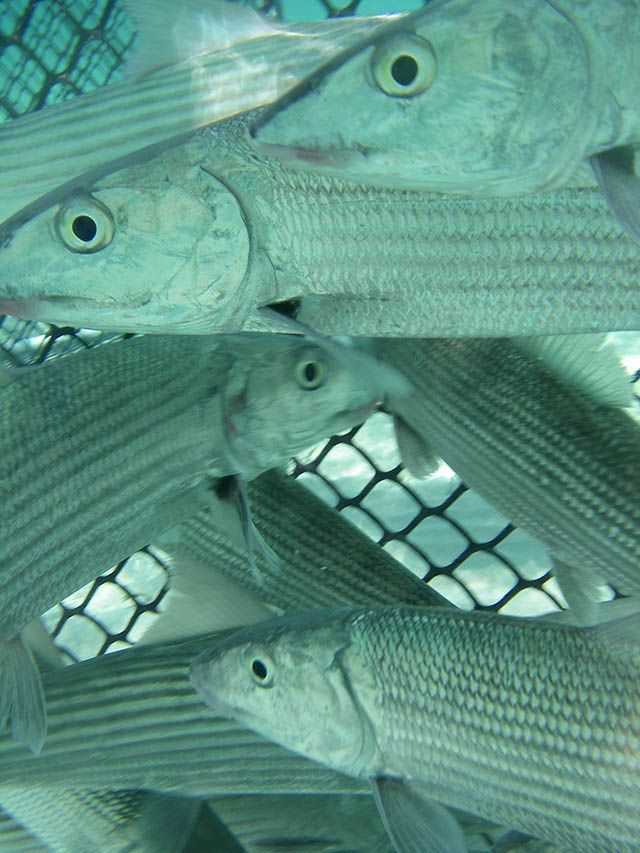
(347, 418)
(327, 156)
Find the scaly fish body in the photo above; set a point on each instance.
(229, 232)
(193, 67)
(526, 724)
(160, 736)
(558, 461)
(122, 441)
(132, 720)
(71, 821)
(328, 562)
(68, 820)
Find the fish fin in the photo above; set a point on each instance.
(255, 542)
(46, 654)
(582, 590)
(415, 823)
(417, 455)
(618, 182)
(200, 600)
(170, 32)
(586, 362)
(233, 489)
(21, 695)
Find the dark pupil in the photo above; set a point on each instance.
(310, 372)
(259, 669)
(404, 70)
(85, 228)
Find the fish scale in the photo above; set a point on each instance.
(545, 765)
(134, 721)
(137, 442)
(559, 464)
(41, 152)
(135, 455)
(137, 722)
(327, 561)
(442, 266)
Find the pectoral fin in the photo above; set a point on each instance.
(415, 823)
(415, 451)
(200, 600)
(21, 695)
(616, 177)
(255, 542)
(581, 589)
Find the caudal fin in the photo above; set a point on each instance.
(21, 695)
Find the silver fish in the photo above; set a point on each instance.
(195, 63)
(122, 444)
(478, 98)
(542, 429)
(160, 737)
(520, 722)
(67, 820)
(163, 738)
(325, 562)
(205, 235)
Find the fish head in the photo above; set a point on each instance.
(284, 678)
(464, 99)
(157, 247)
(287, 392)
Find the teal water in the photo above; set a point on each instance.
(50, 43)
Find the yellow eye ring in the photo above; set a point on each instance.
(85, 225)
(310, 374)
(404, 66)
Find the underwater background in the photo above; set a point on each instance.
(442, 531)
(446, 534)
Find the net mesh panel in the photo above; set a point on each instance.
(445, 533)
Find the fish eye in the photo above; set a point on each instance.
(403, 66)
(310, 374)
(262, 671)
(85, 225)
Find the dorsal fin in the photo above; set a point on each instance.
(170, 31)
(584, 362)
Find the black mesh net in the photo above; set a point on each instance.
(441, 530)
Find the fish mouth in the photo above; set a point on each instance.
(314, 156)
(348, 418)
(107, 315)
